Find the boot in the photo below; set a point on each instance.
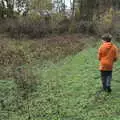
(109, 89)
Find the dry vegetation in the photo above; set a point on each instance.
(15, 53)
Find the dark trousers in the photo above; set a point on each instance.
(106, 77)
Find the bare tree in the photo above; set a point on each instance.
(73, 8)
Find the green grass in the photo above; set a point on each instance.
(14, 53)
(65, 91)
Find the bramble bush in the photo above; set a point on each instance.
(34, 26)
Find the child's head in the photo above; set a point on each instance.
(107, 37)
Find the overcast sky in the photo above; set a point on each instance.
(68, 3)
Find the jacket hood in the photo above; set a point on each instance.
(107, 44)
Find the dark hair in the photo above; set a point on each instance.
(107, 37)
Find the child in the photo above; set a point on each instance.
(107, 55)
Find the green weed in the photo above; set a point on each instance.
(66, 90)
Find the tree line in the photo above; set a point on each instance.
(50, 16)
(8, 8)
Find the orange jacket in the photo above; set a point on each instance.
(107, 55)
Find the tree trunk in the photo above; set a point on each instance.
(73, 9)
(87, 8)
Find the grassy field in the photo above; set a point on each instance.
(67, 90)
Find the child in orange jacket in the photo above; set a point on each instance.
(107, 55)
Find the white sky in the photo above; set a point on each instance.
(68, 3)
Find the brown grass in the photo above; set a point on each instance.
(14, 53)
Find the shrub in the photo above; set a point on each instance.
(59, 23)
(25, 26)
(35, 26)
(116, 26)
(105, 23)
(63, 25)
(25, 81)
(73, 27)
(84, 27)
